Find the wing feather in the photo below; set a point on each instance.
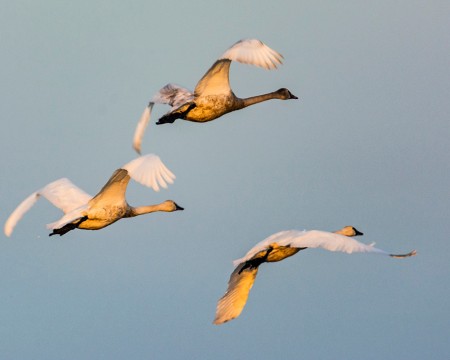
(68, 218)
(19, 212)
(328, 241)
(173, 95)
(141, 126)
(150, 171)
(61, 193)
(253, 52)
(233, 302)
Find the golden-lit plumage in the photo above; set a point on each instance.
(279, 247)
(92, 213)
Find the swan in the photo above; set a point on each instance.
(85, 212)
(213, 96)
(278, 247)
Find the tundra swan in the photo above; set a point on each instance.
(277, 247)
(213, 96)
(85, 212)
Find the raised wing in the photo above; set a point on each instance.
(61, 193)
(216, 81)
(253, 52)
(171, 94)
(232, 303)
(150, 171)
(247, 51)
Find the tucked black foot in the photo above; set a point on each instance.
(68, 227)
(168, 119)
(172, 116)
(65, 229)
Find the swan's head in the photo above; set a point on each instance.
(170, 205)
(349, 231)
(285, 94)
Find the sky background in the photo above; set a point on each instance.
(366, 145)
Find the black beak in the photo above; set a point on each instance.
(178, 207)
(358, 232)
(292, 96)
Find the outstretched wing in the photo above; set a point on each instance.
(232, 303)
(150, 171)
(171, 94)
(62, 193)
(331, 242)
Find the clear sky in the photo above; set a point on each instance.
(366, 145)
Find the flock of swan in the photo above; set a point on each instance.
(211, 98)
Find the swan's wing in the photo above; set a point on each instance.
(253, 52)
(65, 195)
(141, 126)
(332, 242)
(248, 51)
(171, 94)
(232, 303)
(216, 80)
(62, 193)
(113, 192)
(150, 171)
(70, 217)
(18, 213)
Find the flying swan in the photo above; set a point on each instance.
(278, 247)
(85, 212)
(213, 96)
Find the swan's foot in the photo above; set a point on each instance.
(168, 119)
(180, 113)
(66, 228)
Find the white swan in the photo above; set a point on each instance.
(277, 247)
(213, 96)
(83, 211)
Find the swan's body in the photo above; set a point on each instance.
(213, 96)
(275, 248)
(83, 211)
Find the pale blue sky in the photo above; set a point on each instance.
(367, 145)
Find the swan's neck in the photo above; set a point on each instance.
(141, 210)
(260, 98)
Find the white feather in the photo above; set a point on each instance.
(69, 217)
(61, 193)
(150, 171)
(141, 126)
(253, 52)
